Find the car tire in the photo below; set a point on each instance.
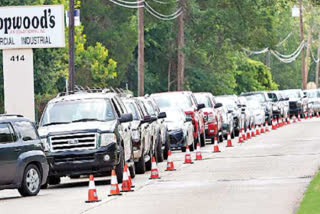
(149, 162)
(140, 166)
(31, 181)
(74, 176)
(183, 149)
(166, 149)
(159, 152)
(53, 180)
(203, 140)
(120, 166)
(132, 170)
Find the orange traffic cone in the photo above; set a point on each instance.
(317, 114)
(198, 153)
(114, 190)
(253, 128)
(240, 140)
(187, 157)
(267, 126)
(129, 176)
(274, 127)
(243, 134)
(126, 186)
(248, 133)
(288, 119)
(305, 116)
(92, 192)
(294, 118)
(257, 131)
(310, 115)
(154, 169)
(262, 128)
(170, 165)
(299, 117)
(229, 141)
(216, 146)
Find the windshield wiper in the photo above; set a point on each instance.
(86, 119)
(55, 123)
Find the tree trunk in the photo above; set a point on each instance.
(181, 43)
(169, 75)
(140, 52)
(318, 63)
(306, 70)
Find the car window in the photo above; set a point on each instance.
(27, 130)
(6, 133)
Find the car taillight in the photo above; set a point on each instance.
(191, 113)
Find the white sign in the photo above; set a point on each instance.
(18, 82)
(32, 27)
(76, 18)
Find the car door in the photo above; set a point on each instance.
(125, 129)
(10, 150)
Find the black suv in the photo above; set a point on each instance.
(87, 133)
(23, 163)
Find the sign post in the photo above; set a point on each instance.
(23, 28)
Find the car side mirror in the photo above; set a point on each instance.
(286, 99)
(304, 96)
(243, 106)
(200, 106)
(239, 105)
(153, 118)
(230, 111)
(125, 118)
(188, 118)
(218, 105)
(162, 115)
(146, 119)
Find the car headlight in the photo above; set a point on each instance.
(107, 139)
(135, 135)
(45, 144)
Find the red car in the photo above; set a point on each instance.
(186, 101)
(212, 114)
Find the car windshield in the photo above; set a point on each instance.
(293, 94)
(258, 97)
(229, 103)
(173, 101)
(174, 115)
(149, 108)
(203, 99)
(132, 109)
(78, 110)
(312, 94)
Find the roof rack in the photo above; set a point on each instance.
(11, 115)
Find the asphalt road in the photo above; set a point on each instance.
(267, 174)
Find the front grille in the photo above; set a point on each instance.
(292, 105)
(175, 137)
(81, 141)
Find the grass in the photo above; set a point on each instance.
(311, 200)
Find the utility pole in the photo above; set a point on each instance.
(318, 63)
(304, 82)
(141, 51)
(181, 44)
(71, 46)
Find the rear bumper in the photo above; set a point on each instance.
(211, 130)
(84, 162)
(176, 139)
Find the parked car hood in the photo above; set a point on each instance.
(79, 126)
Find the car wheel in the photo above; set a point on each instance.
(53, 180)
(120, 166)
(159, 152)
(203, 140)
(183, 149)
(31, 181)
(132, 170)
(149, 162)
(140, 166)
(166, 149)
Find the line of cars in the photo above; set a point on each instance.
(94, 131)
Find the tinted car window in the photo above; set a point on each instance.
(27, 130)
(6, 133)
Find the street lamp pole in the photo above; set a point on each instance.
(71, 46)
